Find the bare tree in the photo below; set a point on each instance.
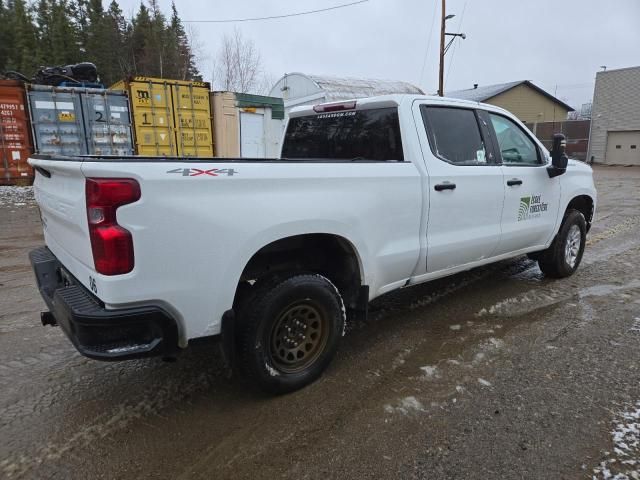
(238, 65)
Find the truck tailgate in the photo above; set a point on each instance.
(59, 189)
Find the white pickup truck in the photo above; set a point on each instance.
(145, 254)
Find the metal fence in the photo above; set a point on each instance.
(576, 131)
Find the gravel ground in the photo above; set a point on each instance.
(494, 373)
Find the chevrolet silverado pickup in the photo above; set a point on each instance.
(144, 255)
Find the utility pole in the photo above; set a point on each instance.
(445, 48)
(441, 72)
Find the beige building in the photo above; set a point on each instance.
(615, 118)
(525, 100)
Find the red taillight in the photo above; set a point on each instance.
(334, 107)
(111, 244)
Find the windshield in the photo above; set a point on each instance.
(351, 135)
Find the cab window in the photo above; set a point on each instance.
(515, 146)
(454, 135)
(370, 134)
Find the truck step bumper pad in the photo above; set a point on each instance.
(95, 331)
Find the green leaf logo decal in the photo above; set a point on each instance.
(523, 211)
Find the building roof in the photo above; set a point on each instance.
(486, 92)
(347, 87)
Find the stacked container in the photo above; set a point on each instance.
(80, 121)
(170, 117)
(15, 138)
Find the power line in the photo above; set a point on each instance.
(426, 53)
(275, 17)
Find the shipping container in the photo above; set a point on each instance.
(80, 121)
(107, 122)
(15, 134)
(247, 126)
(56, 120)
(170, 117)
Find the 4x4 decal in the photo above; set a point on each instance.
(212, 172)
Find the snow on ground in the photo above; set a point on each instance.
(484, 383)
(16, 196)
(405, 406)
(623, 463)
(430, 371)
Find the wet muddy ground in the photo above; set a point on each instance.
(494, 373)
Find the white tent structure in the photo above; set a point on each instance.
(302, 89)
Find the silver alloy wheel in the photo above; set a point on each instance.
(572, 245)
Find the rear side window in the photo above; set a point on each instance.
(454, 135)
(350, 135)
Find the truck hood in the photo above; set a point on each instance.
(578, 165)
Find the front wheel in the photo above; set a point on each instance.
(289, 330)
(564, 255)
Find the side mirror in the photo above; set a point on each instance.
(559, 159)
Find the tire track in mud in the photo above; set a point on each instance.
(157, 396)
(629, 224)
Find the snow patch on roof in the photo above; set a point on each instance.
(337, 88)
(483, 93)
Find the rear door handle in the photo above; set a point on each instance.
(445, 186)
(514, 181)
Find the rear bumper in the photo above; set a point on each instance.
(95, 331)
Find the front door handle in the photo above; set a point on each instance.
(445, 186)
(514, 181)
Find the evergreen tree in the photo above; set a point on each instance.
(5, 39)
(58, 38)
(60, 32)
(116, 34)
(181, 56)
(65, 44)
(138, 41)
(98, 45)
(21, 29)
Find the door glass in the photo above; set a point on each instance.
(516, 147)
(454, 135)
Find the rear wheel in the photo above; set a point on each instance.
(564, 255)
(289, 330)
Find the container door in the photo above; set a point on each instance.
(252, 135)
(153, 118)
(15, 138)
(193, 120)
(108, 128)
(56, 118)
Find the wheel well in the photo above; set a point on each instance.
(584, 204)
(329, 255)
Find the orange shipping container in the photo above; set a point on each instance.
(15, 134)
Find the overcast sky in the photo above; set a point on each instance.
(554, 43)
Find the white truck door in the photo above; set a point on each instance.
(252, 135)
(466, 188)
(532, 199)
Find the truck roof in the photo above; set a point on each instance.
(390, 101)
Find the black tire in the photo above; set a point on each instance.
(555, 262)
(289, 329)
